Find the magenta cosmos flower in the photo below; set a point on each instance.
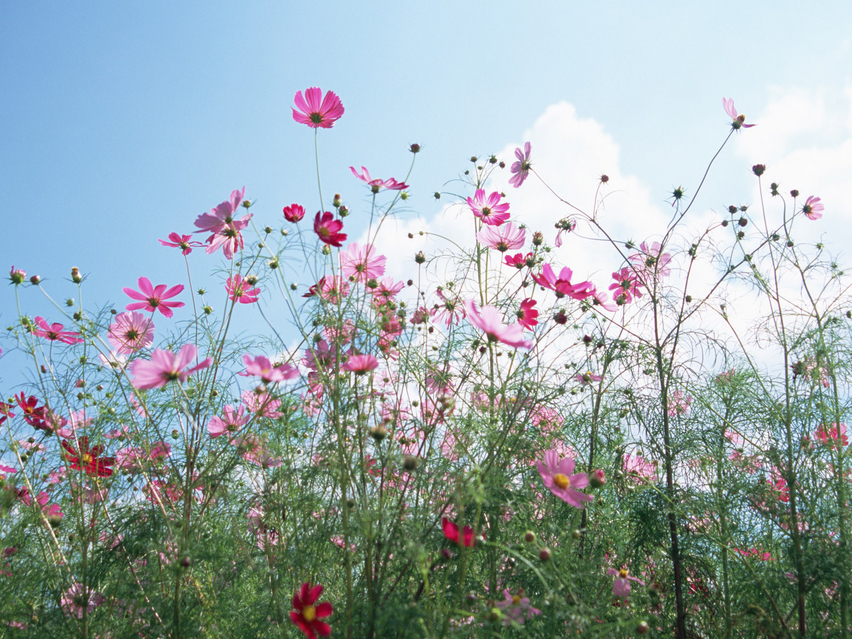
(490, 321)
(224, 229)
(813, 208)
(294, 213)
(307, 613)
(737, 119)
(621, 586)
(360, 263)
(54, 332)
(488, 209)
(231, 421)
(165, 367)
(561, 285)
(375, 184)
(131, 332)
(268, 373)
(527, 315)
(502, 238)
(521, 169)
(328, 229)
(239, 290)
(317, 111)
(451, 532)
(625, 287)
(558, 475)
(153, 298)
(182, 242)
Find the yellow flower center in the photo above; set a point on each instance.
(309, 613)
(623, 573)
(516, 600)
(561, 480)
(87, 458)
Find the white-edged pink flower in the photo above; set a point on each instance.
(813, 208)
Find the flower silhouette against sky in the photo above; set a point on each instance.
(520, 169)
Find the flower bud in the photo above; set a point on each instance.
(336, 202)
(35, 280)
(378, 432)
(17, 275)
(529, 536)
(643, 628)
(420, 257)
(538, 238)
(251, 280)
(794, 193)
(597, 479)
(414, 148)
(344, 211)
(75, 275)
(544, 554)
(410, 462)
(758, 169)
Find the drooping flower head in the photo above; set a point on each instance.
(317, 111)
(375, 184)
(307, 614)
(153, 298)
(55, 332)
(813, 208)
(328, 229)
(131, 332)
(559, 477)
(165, 367)
(737, 119)
(490, 320)
(521, 168)
(488, 208)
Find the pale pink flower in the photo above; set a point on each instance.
(261, 404)
(558, 475)
(450, 310)
(165, 367)
(360, 263)
(361, 364)
(813, 208)
(268, 372)
(131, 332)
(375, 185)
(239, 290)
(638, 468)
(625, 287)
(317, 111)
(54, 332)
(502, 238)
(78, 598)
(621, 586)
(231, 421)
(488, 209)
(490, 320)
(521, 169)
(565, 225)
(153, 298)
(737, 119)
(649, 264)
(678, 404)
(131, 459)
(115, 360)
(516, 608)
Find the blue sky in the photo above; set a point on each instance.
(125, 121)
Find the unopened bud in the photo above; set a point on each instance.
(758, 169)
(538, 238)
(420, 257)
(544, 554)
(529, 536)
(414, 148)
(35, 280)
(75, 275)
(336, 202)
(597, 479)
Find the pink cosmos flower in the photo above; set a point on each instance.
(328, 229)
(269, 373)
(182, 242)
(519, 260)
(261, 404)
(54, 332)
(451, 532)
(558, 475)
(317, 111)
(294, 213)
(450, 310)
(516, 608)
(649, 264)
(131, 332)
(79, 597)
(375, 185)
(490, 320)
(224, 229)
(625, 287)
(678, 403)
(489, 209)
(737, 119)
(562, 285)
(231, 421)
(239, 290)
(621, 587)
(502, 238)
(565, 225)
(360, 364)
(521, 169)
(152, 299)
(831, 436)
(165, 367)
(587, 378)
(307, 614)
(115, 360)
(638, 468)
(527, 315)
(360, 263)
(386, 291)
(813, 208)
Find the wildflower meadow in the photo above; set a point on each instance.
(478, 444)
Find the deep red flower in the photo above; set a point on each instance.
(88, 459)
(34, 414)
(328, 229)
(294, 213)
(306, 615)
(451, 532)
